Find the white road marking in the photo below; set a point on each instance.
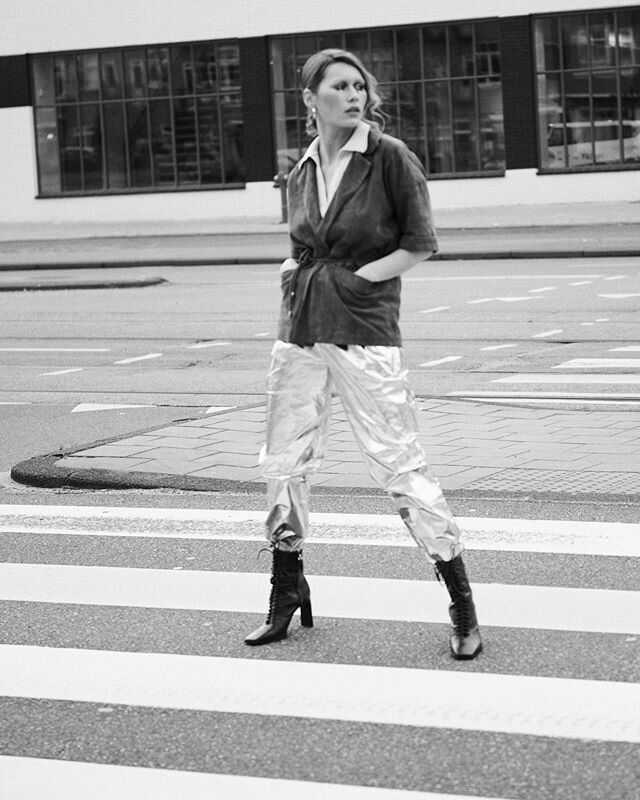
(501, 300)
(202, 345)
(563, 401)
(537, 706)
(547, 378)
(507, 606)
(542, 536)
(55, 349)
(437, 308)
(632, 348)
(46, 779)
(14, 403)
(262, 335)
(604, 363)
(603, 319)
(481, 300)
(83, 407)
(587, 324)
(445, 360)
(543, 289)
(620, 296)
(62, 371)
(502, 277)
(218, 409)
(138, 358)
(581, 283)
(498, 346)
(546, 333)
(616, 277)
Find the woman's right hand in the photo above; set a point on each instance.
(288, 264)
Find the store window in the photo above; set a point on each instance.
(139, 119)
(588, 79)
(441, 86)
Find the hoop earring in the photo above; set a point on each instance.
(314, 112)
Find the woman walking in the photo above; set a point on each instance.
(359, 217)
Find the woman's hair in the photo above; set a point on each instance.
(314, 71)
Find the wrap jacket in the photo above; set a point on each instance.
(381, 204)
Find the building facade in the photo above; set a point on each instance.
(132, 113)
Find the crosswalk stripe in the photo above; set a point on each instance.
(496, 534)
(532, 607)
(47, 779)
(538, 706)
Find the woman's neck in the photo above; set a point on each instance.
(331, 140)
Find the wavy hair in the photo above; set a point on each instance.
(314, 71)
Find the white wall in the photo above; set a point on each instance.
(31, 26)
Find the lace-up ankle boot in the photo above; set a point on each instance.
(465, 639)
(289, 591)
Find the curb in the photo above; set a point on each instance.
(49, 285)
(253, 260)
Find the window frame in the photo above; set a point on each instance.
(53, 105)
(390, 89)
(591, 69)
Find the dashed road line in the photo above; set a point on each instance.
(498, 346)
(444, 360)
(433, 310)
(62, 371)
(138, 358)
(546, 333)
(202, 345)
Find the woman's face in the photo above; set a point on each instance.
(340, 98)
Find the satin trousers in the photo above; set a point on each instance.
(379, 405)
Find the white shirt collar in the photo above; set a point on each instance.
(356, 143)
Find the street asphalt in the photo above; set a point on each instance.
(477, 448)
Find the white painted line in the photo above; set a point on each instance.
(262, 335)
(14, 403)
(501, 300)
(510, 606)
(620, 296)
(445, 360)
(503, 277)
(603, 363)
(542, 536)
(616, 277)
(546, 333)
(83, 407)
(603, 319)
(543, 289)
(561, 401)
(218, 409)
(202, 345)
(582, 395)
(62, 371)
(498, 346)
(45, 779)
(138, 358)
(481, 300)
(514, 704)
(580, 283)
(55, 349)
(587, 324)
(547, 378)
(632, 348)
(437, 308)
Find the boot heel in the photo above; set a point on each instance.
(306, 617)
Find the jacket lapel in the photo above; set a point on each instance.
(357, 171)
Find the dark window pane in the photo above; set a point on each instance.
(161, 128)
(630, 92)
(209, 140)
(139, 145)
(283, 68)
(135, 71)
(182, 81)
(439, 129)
(91, 147)
(186, 141)
(111, 71)
(66, 79)
(43, 80)
(333, 40)
(305, 46)
(602, 39)
(48, 152)
(461, 50)
(232, 140)
(464, 126)
(629, 36)
(434, 48)
(89, 76)
(487, 55)
(205, 67)
(550, 118)
(383, 65)
(158, 71)
(408, 49)
(491, 125)
(547, 44)
(575, 42)
(358, 42)
(229, 67)
(411, 118)
(70, 148)
(114, 145)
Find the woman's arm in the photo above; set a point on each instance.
(392, 265)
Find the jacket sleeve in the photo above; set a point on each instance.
(406, 185)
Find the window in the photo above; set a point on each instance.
(441, 86)
(588, 79)
(138, 119)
